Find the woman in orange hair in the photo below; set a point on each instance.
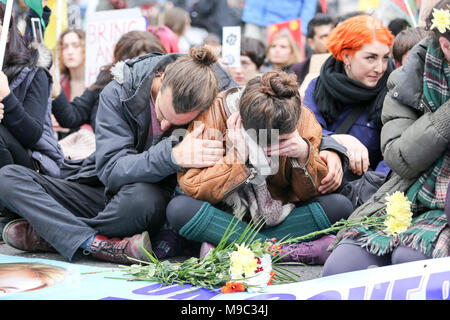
(348, 95)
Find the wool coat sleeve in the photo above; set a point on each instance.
(118, 162)
(25, 120)
(412, 141)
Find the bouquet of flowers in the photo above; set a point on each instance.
(249, 264)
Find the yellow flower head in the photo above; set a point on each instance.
(243, 262)
(398, 212)
(441, 20)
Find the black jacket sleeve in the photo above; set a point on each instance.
(78, 112)
(26, 120)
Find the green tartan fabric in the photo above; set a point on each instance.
(429, 232)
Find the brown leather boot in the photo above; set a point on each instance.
(21, 235)
(118, 250)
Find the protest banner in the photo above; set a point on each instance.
(103, 30)
(418, 280)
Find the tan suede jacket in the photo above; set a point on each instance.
(292, 182)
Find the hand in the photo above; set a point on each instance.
(333, 179)
(57, 127)
(44, 3)
(2, 111)
(235, 139)
(56, 88)
(358, 154)
(291, 145)
(195, 152)
(4, 86)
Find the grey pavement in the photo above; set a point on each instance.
(304, 272)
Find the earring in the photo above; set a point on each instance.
(348, 67)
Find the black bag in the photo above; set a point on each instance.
(360, 190)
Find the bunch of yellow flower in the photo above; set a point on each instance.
(243, 262)
(441, 20)
(398, 213)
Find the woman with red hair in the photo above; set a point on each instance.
(348, 96)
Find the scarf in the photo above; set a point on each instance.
(334, 91)
(428, 232)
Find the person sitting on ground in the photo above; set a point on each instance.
(416, 112)
(276, 185)
(109, 205)
(352, 82)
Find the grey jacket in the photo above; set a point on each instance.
(412, 137)
(122, 128)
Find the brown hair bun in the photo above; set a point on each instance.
(279, 84)
(203, 55)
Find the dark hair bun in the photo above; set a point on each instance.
(203, 55)
(279, 84)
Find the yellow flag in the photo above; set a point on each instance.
(364, 5)
(50, 37)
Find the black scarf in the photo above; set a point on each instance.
(334, 91)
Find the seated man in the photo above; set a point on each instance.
(110, 205)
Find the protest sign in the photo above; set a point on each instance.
(103, 30)
(419, 280)
(231, 46)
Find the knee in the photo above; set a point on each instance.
(405, 254)
(11, 176)
(141, 200)
(180, 210)
(336, 206)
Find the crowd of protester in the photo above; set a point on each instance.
(158, 154)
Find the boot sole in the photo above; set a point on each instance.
(145, 244)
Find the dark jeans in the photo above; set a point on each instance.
(67, 213)
(12, 151)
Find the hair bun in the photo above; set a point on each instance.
(203, 55)
(279, 84)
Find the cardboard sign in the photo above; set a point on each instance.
(231, 46)
(103, 30)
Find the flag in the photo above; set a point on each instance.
(51, 36)
(36, 6)
(401, 8)
(323, 5)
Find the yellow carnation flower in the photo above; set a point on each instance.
(243, 262)
(399, 215)
(441, 20)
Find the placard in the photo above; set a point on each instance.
(103, 30)
(231, 46)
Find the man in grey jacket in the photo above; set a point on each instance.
(121, 191)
